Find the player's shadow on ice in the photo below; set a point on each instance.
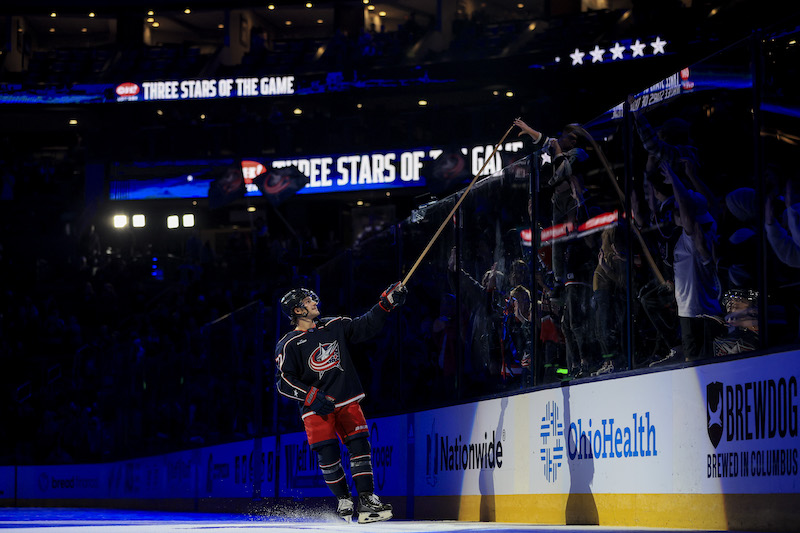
(581, 508)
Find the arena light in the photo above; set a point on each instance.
(156, 24)
(422, 103)
(73, 122)
(297, 111)
(150, 20)
(53, 14)
(371, 7)
(271, 7)
(188, 220)
(92, 15)
(173, 222)
(84, 30)
(120, 221)
(138, 221)
(251, 209)
(187, 11)
(151, 13)
(382, 13)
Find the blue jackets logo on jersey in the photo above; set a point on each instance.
(325, 357)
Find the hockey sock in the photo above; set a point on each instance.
(361, 464)
(330, 462)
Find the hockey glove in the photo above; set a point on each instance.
(318, 402)
(393, 296)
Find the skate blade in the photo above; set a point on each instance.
(380, 516)
(347, 518)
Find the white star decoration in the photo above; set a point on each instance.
(546, 158)
(658, 46)
(637, 48)
(616, 51)
(577, 57)
(597, 54)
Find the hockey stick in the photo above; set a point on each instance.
(455, 208)
(613, 179)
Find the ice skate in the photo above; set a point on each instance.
(371, 509)
(345, 508)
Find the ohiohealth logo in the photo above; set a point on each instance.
(552, 433)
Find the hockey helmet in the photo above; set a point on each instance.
(294, 298)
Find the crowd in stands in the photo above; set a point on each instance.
(115, 351)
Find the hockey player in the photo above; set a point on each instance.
(315, 369)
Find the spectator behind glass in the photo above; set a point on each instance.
(697, 288)
(565, 180)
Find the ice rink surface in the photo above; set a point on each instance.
(116, 521)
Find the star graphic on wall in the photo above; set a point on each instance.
(577, 57)
(616, 51)
(597, 54)
(658, 46)
(638, 48)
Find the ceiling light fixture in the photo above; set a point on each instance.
(382, 14)
(53, 15)
(156, 24)
(92, 15)
(187, 11)
(271, 7)
(151, 13)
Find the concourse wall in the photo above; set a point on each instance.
(705, 447)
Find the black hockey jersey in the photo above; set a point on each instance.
(319, 357)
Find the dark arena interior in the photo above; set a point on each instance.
(526, 265)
